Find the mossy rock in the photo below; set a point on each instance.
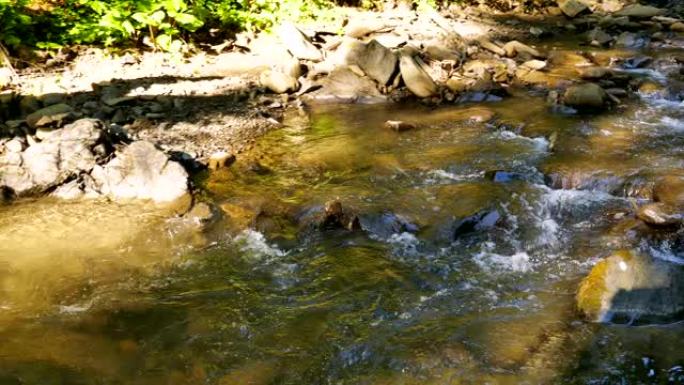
(629, 287)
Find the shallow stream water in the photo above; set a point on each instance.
(102, 294)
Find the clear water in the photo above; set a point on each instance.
(102, 294)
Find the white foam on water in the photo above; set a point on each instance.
(539, 143)
(74, 309)
(677, 125)
(491, 261)
(254, 244)
(666, 255)
(405, 243)
(436, 176)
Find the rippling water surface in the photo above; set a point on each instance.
(101, 294)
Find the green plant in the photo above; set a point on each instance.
(15, 25)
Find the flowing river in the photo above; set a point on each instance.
(94, 293)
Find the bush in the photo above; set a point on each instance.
(162, 24)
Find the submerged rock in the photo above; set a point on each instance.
(332, 216)
(669, 190)
(386, 224)
(335, 217)
(499, 176)
(629, 287)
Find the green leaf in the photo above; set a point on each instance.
(157, 17)
(128, 27)
(175, 5)
(48, 45)
(188, 21)
(164, 42)
(141, 18)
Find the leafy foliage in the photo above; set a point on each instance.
(161, 24)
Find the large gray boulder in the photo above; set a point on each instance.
(376, 60)
(346, 86)
(417, 80)
(298, 43)
(141, 171)
(62, 155)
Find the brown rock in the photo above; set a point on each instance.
(594, 73)
(588, 95)
(514, 47)
(572, 8)
(416, 78)
(669, 190)
(488, 45)
(399, 126)
(659, 214)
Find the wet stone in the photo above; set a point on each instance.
(633, 288)
(499, 176)
(660, 215)
(399, 126)
(387, 224)
(482, 221)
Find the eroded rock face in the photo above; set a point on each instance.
(141, 171)
(344, 85)
(62, 155)
(572, 8)
(629, 287)
(416, 78)
(298, 44)
(376, 60)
